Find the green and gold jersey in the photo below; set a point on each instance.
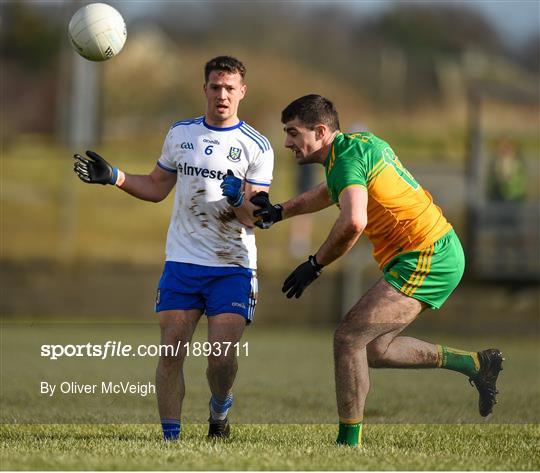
(401, 215)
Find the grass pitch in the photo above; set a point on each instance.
(271, 447)
(284, 414)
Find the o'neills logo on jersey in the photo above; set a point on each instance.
(212, 142)
(188, 170)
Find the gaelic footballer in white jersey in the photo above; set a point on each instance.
(203, 228)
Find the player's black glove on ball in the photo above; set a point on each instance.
(269, 213)
(94, 169)
(302, 277)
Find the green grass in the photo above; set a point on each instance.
(271, 447)
(284, 413)
(287, 377)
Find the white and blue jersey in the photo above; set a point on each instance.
(203, 228)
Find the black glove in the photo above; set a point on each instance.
(269, 213)
(94, 169)
(302, 277)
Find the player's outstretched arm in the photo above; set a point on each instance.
(348, 227)
(311, 201)
(344, 234)
(308, 202)
(154, 187)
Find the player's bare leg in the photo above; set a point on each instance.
(391, 351)
(380, 311)
(368, 336)
(224, 331)
(482, 368)
(177, 327)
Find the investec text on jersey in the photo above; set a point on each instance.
(188, 170)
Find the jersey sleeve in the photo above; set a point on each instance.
(166, 160)
(347, 172)
(260, 170)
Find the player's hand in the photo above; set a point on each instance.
(302, 277)
(268, 213)
(231, 187)
(94, 169)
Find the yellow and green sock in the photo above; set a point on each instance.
(465, 362)
(350, 432)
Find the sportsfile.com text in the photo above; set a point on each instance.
(111, 349)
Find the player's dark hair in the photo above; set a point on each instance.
(311, 110)
(224, 63)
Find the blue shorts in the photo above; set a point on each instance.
(214, 290)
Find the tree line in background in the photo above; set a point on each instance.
(395, 57)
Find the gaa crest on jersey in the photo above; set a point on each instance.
(234, 154)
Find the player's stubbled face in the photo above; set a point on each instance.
(223, 94)
(301, 141)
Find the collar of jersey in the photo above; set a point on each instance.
(215, 128)
(327, 160)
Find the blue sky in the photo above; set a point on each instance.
(516, 20)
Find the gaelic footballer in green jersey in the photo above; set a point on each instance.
(416, 248)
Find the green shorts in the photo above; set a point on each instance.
(429, 275)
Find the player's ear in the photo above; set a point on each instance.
(320, 131)
(243, 90)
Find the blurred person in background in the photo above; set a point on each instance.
(506, 180)
(416, 248)
(506, 194)
(217, 162)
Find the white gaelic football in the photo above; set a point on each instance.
(97, 32)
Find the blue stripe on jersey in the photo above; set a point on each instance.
(258, 183)
(257, 136)
(265, 140)
(215, 128)
(166, 168)
(259, 142)
(196, 121)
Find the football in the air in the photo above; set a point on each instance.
(97, 32)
